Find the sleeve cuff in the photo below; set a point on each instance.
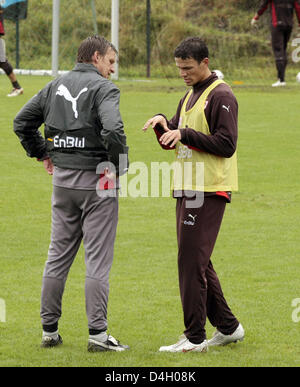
(183, 134)
(43, 158)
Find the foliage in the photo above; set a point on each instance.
(225, 25)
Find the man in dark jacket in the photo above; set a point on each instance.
(282, 13)
(5, 65)
(84, 137)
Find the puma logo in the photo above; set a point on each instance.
(64, 92)
(190, 222)
(193, 217)
(227, 108)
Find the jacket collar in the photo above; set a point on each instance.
(86, 67)
(200, 85)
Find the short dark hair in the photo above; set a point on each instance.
(91, 44)
(192, 47)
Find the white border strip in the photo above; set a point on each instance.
(35, 72)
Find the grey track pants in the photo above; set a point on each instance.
(80, 215)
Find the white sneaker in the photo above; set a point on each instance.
(104, 342)
(279, 84)
(220, 339)
(51, 340)
(184, 345)
(15, 92)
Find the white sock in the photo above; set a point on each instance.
(53, 335)
(100, 337)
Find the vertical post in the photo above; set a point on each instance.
(148, 36)
(17, 43)
(55, 36)
(94, 16)
(115, 32)
(17, 37)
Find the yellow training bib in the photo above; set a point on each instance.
(201, 171)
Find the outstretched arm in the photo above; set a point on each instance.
(261, 10)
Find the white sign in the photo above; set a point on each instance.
(2, 311)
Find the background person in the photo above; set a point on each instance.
(83, 127)
(204, 129)
(5, 65)
(282, 14)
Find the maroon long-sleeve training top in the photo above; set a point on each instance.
(2, 32)
(221, 111)
(282, 11)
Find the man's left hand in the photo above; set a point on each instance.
(170, 138)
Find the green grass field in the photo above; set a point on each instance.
(256, 255)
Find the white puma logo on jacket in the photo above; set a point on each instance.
(225, 107)
(64, 92)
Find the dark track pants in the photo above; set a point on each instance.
(200, 289)
(280, 39)
(80, 215)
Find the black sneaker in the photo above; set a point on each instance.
(49, 342)
(111, 344)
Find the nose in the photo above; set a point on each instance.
(182, 73)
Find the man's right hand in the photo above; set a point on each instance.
(48, 165)
(156, 120)
(254, 21)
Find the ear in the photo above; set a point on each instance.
(96, 57)
(206, 61)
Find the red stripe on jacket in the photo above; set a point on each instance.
(297, 8)
(2, 32)
(274, 16)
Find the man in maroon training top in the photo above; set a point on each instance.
(282, 13)
(203, 130)
(5, 65)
